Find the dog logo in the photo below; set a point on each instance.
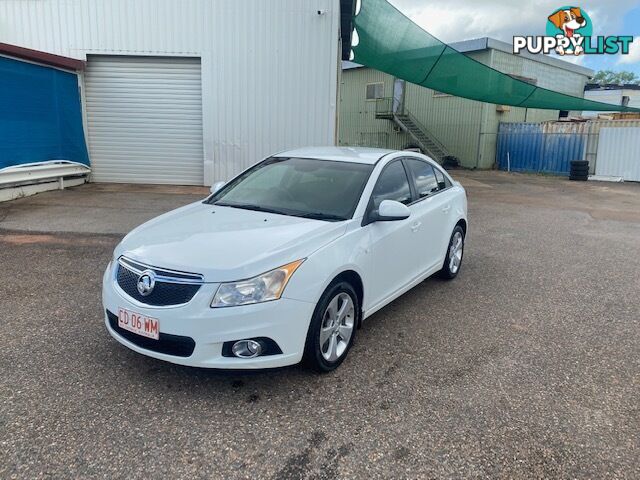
(570, 32)
(565, 22)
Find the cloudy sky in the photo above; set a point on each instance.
(454, 20)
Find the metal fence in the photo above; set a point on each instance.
(549, 147)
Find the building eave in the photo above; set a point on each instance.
(43, 58)
(546, 59)
(485, 43)
(610, 87)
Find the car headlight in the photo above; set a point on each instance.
(263, 288)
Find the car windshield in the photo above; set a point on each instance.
(302, 187)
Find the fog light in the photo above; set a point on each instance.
(246, 349)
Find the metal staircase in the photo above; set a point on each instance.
(427, 142)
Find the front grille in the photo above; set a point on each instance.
(171, 288)
(175, 345)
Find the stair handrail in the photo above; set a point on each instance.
(424, 129)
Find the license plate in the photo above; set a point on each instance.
(139, 324)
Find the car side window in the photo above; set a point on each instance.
(447, 183)
(392, 184)
(443, 182)
(424, 176)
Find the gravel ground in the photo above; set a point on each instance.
(525, 366)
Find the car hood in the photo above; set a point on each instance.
(224, 243)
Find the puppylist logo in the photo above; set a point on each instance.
(569, 32)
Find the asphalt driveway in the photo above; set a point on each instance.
(526, 366)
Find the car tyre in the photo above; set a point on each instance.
(580, 169)
(579, 178)
(333, 328)
(455, 252)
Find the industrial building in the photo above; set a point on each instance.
(379, 110)
(193, 92)
(625, 95)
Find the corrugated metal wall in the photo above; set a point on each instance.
(453, 120)
(546, 76)
(592, 130)
(531, 147)
(269, 69)
(613, 97)
(358, 123)
(619, 153)
(549, 147)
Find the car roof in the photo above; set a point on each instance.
(344, 154)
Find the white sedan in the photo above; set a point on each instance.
(285, 261)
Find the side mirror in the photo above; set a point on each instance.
(390, 210)
(217, 186)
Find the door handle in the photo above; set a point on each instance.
(446, 208)
(416, 226)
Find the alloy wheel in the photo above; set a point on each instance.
(337, 327)
(455, 252)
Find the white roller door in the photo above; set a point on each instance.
(144, 119)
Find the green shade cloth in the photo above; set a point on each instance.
(391, 43)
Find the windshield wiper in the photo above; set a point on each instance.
(322, 216)
(259, 208)
(248, 206)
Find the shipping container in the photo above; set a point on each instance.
(549, 147)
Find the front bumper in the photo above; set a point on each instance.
(285, 321)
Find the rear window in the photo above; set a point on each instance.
(424, 177)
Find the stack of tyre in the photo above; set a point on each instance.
(579, 170)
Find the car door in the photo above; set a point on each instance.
(390, 243)
(431, 210)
